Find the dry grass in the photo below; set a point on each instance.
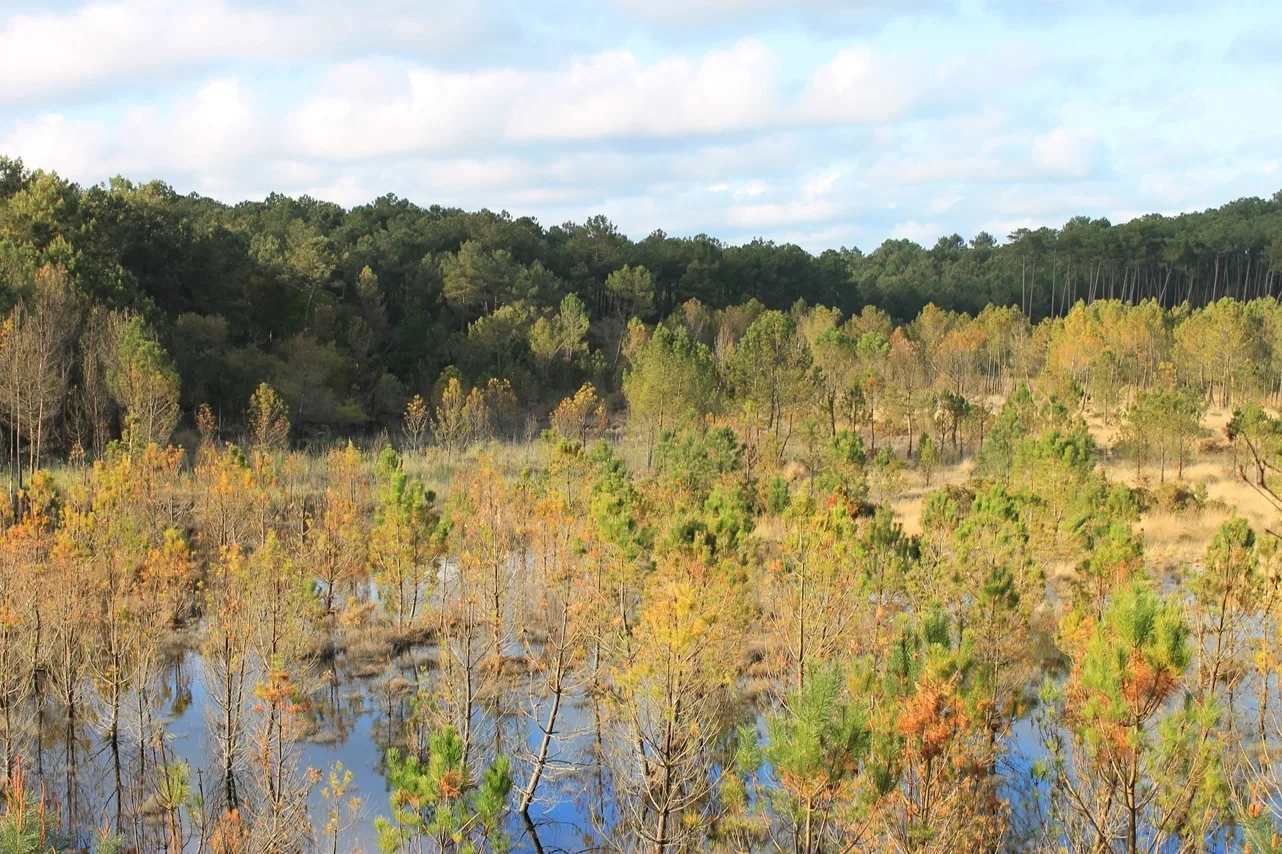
(1172, 538)
(437, 468)
(1177, 538)
(769, 528)
(1105, 435)
(908, 503)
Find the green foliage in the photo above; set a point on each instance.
(944, 509)
(842, 468)
(727, 519)
(438, 799)
(1258, 436)
(816, 747)
(821, 738)
(992, 540)
(145, 384)
(1116, 554)
(755, 391)
(1161, 425)
(669, 376)
(1261, 834)
(1232, 552)
(631, 291)
(561, 339)
(927, 458)
(257, 275)
(1009, 428)
(951, 410)
(769, 368)
(777, 495)
(1139, 630)
(496, 344)
(1068, 456)
(615, 504)
(885, 478)
(267, 419)
(848, 449)
(1124, 725)
(477, 279)
(928, 650)
(405, 539)
(694, 457)
(23, 837)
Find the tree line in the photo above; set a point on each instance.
(350, 313)
(79, 377)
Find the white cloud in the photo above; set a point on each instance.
(977, 127)
(371, 109)
(50, 52)
(347, 190)
(821, 184)
(1010, 207)
(669, 8)
(756, 156)
(940, 165)
(924, 234)
(858, 85)
(213, 130)
(784, 213)
(1068, 153)
(1003, 228)
(615, 94)
(673, 13)
(818, 239)
(941, 158)
(801, 131)
(218, 125)
(70, 146)
(47, 53)
(375, 109)
(294, 173)
(943, 204)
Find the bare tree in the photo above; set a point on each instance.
(92, 411)
(34, 341)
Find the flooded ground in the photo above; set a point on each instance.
(351, 721)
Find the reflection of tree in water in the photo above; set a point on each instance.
(392, 698)
(334, 709)
(64, 760)
(174, 689)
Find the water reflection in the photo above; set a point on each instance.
(359, 707)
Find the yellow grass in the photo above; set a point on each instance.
(1178, 538)
(907, 504)
(1171, 538)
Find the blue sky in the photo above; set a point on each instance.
(820, 122)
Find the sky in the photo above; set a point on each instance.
(827, 123)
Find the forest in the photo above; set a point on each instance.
(415, 530)
(349, 313)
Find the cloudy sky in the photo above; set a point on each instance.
(824, 122)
